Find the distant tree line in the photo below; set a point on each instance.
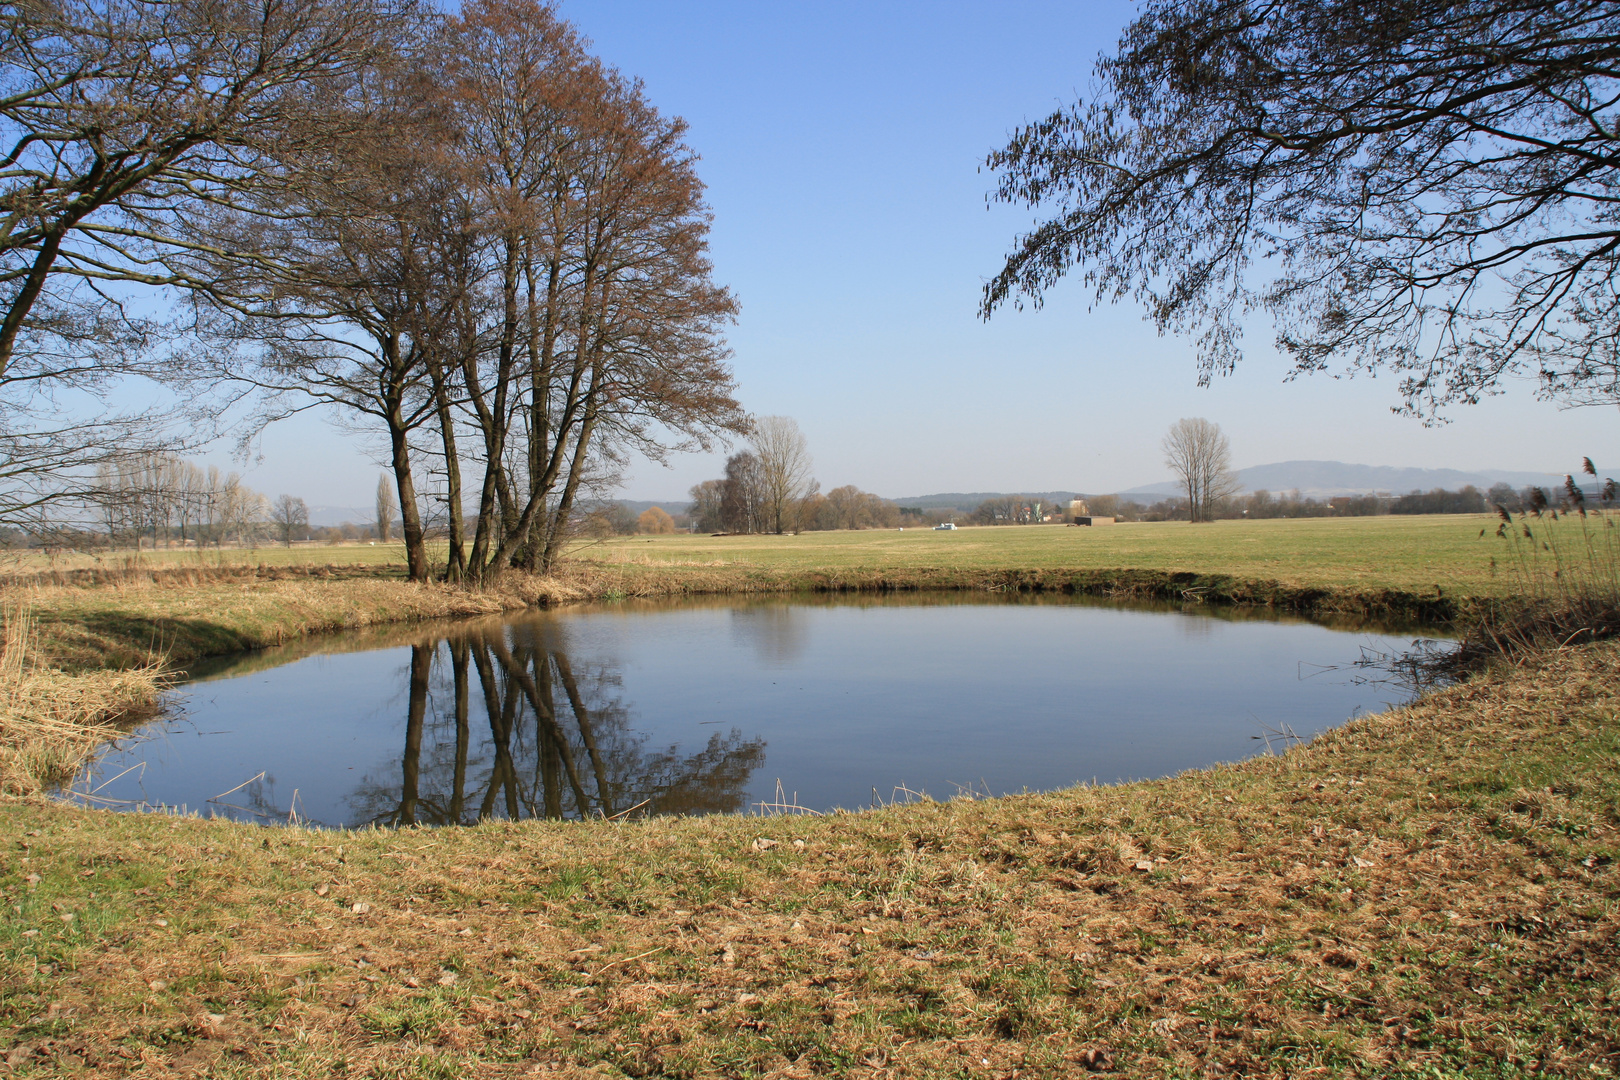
(768, 488)
(1266, 504)
(162, 499)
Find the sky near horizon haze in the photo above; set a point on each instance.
(841, 144)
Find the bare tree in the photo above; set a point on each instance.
(1201, 456)
(119, 118)
(707, 501)
(742, 507)
(290, 516)
(604, 324)
(1425, 186)
(784, 461)
(385, 507)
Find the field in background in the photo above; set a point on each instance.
(44, 561)
(1414, 553)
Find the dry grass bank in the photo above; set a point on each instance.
(51, 720)
(95, 619)
(182, 614)
(1428, 892)
(85, 658)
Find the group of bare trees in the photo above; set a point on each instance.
(765, 489)
(164, 499)
(503, 266)
(849, 507)
(463, 232)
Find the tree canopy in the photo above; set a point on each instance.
(116, 116)
(1417, 185)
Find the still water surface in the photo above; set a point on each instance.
(703, 707)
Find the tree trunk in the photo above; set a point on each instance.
(456, 561)
(421, 665)
(416, 563)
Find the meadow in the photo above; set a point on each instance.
(1415, 553)
(1456, 552)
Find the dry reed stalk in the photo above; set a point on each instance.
(51, 722)
(1564, 561)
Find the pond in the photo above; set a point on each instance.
(735, 705)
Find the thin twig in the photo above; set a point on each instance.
(627, 959)
(240, 786)
(141, 765)
(632, 810)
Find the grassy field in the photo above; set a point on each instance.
(1412, 553)
(30, 562)
(1430, 892)
(1405, 552)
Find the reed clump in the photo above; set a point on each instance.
(1563, 557)
(51, 721)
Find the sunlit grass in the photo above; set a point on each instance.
(362, 553)
(1415, 553)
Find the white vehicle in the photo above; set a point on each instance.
(947, 525)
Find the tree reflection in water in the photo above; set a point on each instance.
(502, 727)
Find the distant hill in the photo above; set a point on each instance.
(320, 516)
(669, 506)
(1322, 479)
(970, 500)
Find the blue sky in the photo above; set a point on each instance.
(841, 143)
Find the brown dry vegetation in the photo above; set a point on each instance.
(179, 615)
(1426, 892)
(85, 652)
(51, 720)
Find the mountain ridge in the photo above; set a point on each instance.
(1325, 479)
